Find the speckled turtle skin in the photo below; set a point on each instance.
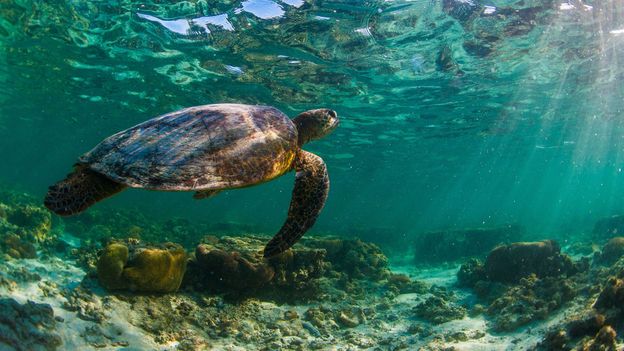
(211, 147)
(207, 149)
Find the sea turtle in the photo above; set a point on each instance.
(207, 149)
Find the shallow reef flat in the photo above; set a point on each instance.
(95, 283)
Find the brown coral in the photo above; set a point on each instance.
(156, 269)
(110, 266)
(145, 269)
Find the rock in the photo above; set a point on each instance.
(143, 269)
(232, 270)
(453, 245)
(235, 265)
(612, 251)
(16, 247)
(586, 325)
(291, 315)
(316, 316)
(609, 227)
(402, 284)
(612, 295)
(605, 340)
(30, 326)
(415, 329)
(437, 310)
(555, 340)
(347, 319)
(470, 273)
(580, 329)
(456, 336)
(510, 263)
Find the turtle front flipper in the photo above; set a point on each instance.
(308, 199)
(204, 194)
(81, 189)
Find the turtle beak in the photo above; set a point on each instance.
(334, 120)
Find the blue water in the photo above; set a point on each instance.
(453, 114)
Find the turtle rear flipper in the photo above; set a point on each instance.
(81, 189)
(308, 199)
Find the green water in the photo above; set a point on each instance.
(454, 114)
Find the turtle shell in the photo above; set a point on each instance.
(207, 147)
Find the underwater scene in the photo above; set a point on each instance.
(312, 175)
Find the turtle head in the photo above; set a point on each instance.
(315, 124)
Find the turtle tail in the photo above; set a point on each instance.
(81, 189)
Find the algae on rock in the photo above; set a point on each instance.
(437, 310)
(29, 326)
(510, 263)
(23, 229)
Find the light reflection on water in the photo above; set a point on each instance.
(185, 26)
(263, 9)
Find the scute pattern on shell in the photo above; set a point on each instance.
(199, 148)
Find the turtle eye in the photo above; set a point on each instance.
(332, 113)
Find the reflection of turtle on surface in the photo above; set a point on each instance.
(207, 149)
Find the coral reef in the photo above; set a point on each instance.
(324, 293)
(532, 299)
(522, 282)
(29, 326)
(356, 258)
(590, 334)
(453, 245)
(144, 269)
(235, 265)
